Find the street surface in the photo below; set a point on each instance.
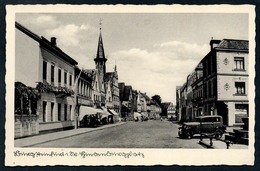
(147, 134)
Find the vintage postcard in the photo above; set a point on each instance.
(130, 85)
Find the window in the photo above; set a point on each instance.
(70, 112)
(65, 77)
(65, 112)
(70, 80)
(44, 110)
(239, 63)
(240, 87)
(59, 112)
(52, 111)
(44, 70)
(59, 76)
(52, 74)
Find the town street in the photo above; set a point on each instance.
(147, 134)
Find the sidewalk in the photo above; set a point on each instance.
(221, 145)
(38, 139)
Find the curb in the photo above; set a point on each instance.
(80, 133)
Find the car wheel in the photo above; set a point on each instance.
(218, 133)
(180, 133)
(189, 134)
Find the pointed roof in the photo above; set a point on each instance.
(109, 76)
(166, 105)
(100, 50)
(233, 44)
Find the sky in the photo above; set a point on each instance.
(153, 52)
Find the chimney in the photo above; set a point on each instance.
(213, 43)
(53, 41)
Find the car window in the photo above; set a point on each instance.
(216, 119)
(197, 119)
(206, 119)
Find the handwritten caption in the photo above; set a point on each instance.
(82, 154)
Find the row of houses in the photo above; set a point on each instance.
(136, 105)
(52, 93)
(218, 85)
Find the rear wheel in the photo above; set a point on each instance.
(218, 133)
(189, 134)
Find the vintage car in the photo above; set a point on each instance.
(211, 124)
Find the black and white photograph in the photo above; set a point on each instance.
(131, 85)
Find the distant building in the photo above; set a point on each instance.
(168, 110)
(126, 99)
(112, 94)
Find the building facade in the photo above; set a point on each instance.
(219, 84)
(225, 82)
(54, 74)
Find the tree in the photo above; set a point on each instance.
(157, 98)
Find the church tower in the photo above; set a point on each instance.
(100, 59)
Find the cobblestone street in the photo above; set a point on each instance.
(148, 134)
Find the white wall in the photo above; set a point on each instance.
(26, 59)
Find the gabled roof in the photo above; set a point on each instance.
(124, 91)
(166, 105)
(233, 44)
(146, 97)
(109, 76)
(126, 94)
(92, 72)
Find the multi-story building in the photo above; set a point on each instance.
(146, 104)
(197, 89)
(143, 104)
(54, 73)
(112, 91)
(126, 101)
(225, 82)
(168, 110)
(219, 83)
(112, 94)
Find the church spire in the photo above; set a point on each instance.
(100, 59)
(100, 50)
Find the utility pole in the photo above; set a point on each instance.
(75, 89)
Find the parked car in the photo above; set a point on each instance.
(203, 124)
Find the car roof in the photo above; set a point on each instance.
(209, 116)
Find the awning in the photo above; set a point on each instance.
(84, 110)
(136, 114)
(105, 113)
(112, 112)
